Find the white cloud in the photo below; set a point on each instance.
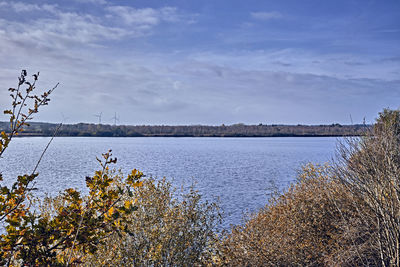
(98, 2)
(266, 15)
(59, 29)
(25, 7)
(56, 29)
(64, 31)
(145, 17)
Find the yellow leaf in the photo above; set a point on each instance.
(127, 204)
(138, 184)
(111, 211)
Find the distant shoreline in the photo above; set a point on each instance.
(186, 136)
(39, 129)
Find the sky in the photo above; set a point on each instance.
(189, 62)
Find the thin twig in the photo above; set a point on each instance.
(47, 146)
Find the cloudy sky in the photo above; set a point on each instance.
(205, 62)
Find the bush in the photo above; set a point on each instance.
(116, 223)
(53, 238)
(301, 227)
(370, 170)
(166, 230)
(347, 214)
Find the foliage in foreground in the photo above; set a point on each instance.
(166, 230)
(344, 215)
(301, 227)
(36, 239)
(370, 170)
(118, 222)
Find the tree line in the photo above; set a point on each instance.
(235, 130)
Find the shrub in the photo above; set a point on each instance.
(305, 226)
(53, 238)
(369, 168)
(166, 230)
(347, 214)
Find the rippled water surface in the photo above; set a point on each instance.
(238, 171)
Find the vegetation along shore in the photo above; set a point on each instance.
(235, 130)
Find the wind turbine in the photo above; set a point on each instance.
(99, 116)
(64, 118)
(115, 118)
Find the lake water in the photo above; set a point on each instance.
(238, 171)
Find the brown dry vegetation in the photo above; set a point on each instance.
(344, 215)
(370, 169)
(166, 230)
(302, 227)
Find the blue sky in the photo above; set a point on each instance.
(206, 62)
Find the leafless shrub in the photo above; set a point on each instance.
(369, 168)
(344, 215)
(301, 227)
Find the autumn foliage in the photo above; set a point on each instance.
(79, 224)
(170, 228)
(343, 214)
(347, 214)
(370, 169)
(122, 220)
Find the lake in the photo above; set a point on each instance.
(237, 171)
